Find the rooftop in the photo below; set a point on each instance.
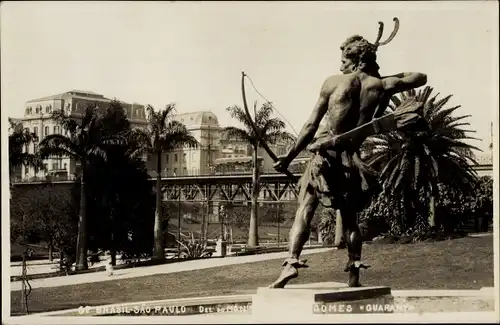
(197, 118)
(71, 93)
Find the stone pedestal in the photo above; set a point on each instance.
(321, 298)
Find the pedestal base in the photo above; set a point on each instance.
(321, 298)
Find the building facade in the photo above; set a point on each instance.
(37, 119)
(192, 161)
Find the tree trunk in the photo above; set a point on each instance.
(202, 230)
(158, 251)
(81, 243)
(432, 208)
(50, 250)
(112, 251)
(253, 234)
(338, 229)
(113, 257)
(432, 211)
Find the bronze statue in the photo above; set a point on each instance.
(352, 105)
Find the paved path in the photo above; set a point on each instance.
(157, 269)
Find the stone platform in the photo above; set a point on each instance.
(322, 298)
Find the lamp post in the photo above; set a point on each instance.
(279, 221)
(179, 224)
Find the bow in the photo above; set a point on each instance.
(256, 131)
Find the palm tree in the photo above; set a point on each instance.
(271, 130)
(162, 135)
(412, 163)
(19, 140)
(83, 143)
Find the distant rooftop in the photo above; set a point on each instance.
(197, 118)
(81, 93)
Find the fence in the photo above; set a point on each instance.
(230, 221)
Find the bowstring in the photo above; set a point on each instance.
(269, 102)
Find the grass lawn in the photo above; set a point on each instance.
(465, 263)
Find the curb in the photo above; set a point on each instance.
(92, 310)
(246, 299)
(483, 292)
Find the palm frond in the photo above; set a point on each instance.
(271, 125)
(235, 133)
(264, 115)
(279, 136)
(239, 114)
(175, 135)
(59, 145)
(96, 151)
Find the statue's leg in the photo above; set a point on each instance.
(354, 244)
(299, 234)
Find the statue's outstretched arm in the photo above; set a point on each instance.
(403, 81)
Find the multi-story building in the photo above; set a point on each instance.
(37, 119)
(236, 156)
(192, 161)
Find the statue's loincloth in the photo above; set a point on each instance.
(338, 178)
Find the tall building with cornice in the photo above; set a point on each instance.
(191, 161)
(37, 119)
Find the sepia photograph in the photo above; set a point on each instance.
(249, 162)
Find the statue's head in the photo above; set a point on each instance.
(358, 55)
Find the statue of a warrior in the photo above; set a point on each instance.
(352, 105)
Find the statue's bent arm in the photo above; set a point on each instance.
(403, 81)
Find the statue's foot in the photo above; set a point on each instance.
(289, 272)
(353, 268)
(354, 280)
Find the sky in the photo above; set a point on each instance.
(192, 53)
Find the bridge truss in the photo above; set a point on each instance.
(233, 188)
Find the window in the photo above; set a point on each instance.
(35, 130)
(30, 110)
(45, 166)
(56, 129)
(46, 131)
(184, 171)
(37, 110)
(166, 158)
(175, 171)
(47, 109)
(26, 170)
(175, 158)
(54, 166)
(184, 158)
(65, 166)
